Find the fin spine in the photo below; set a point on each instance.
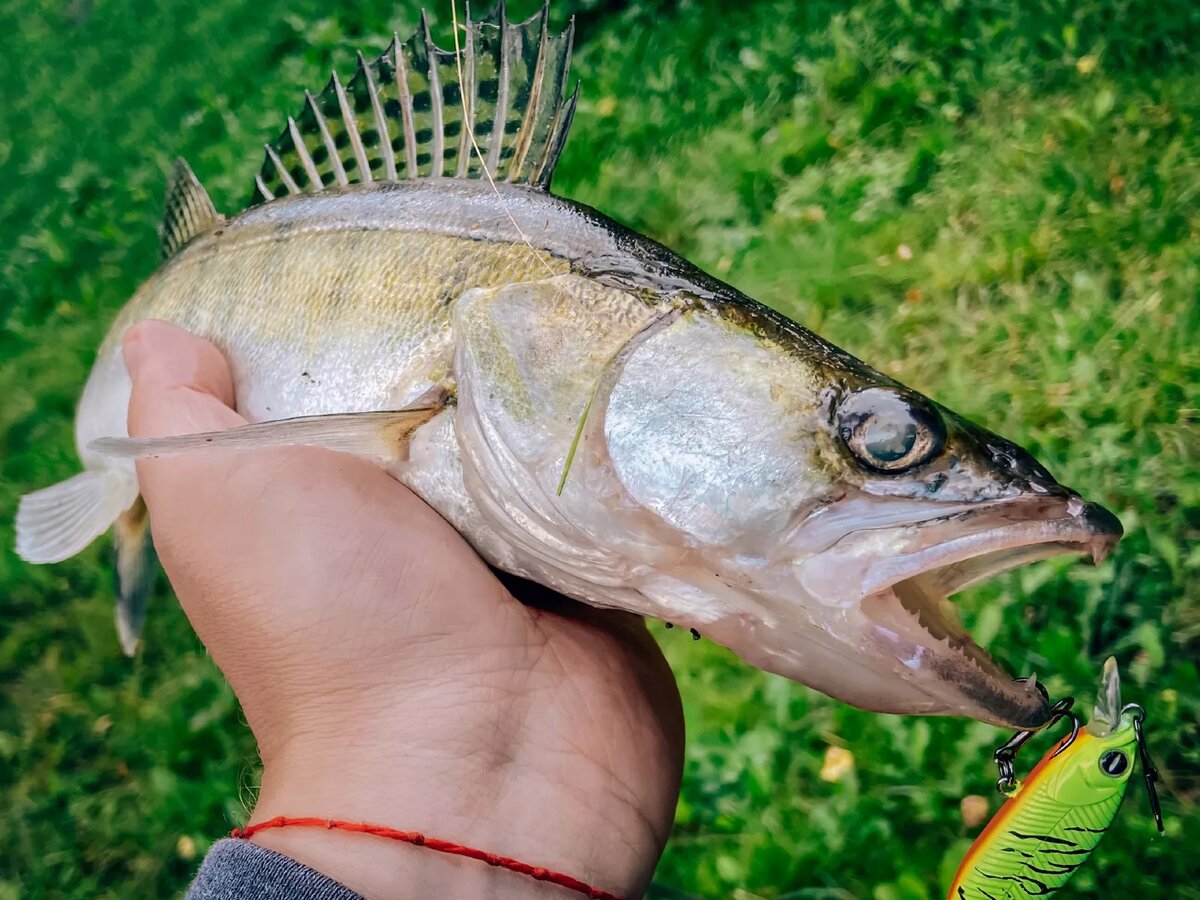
(406, 109)
(563, 116)
(381, 125)
(284, 175)
(467, 89)
(496, 107)
(525, 135)
(330, 147)
(306, 160)
(435, 95)
(500, 116)
(350, 122)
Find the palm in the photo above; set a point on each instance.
(338, 604)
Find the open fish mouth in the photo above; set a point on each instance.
(907, 611)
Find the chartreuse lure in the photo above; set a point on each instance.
(1055, 817)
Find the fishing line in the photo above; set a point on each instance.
(469, 125)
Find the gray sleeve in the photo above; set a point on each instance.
(237, 869)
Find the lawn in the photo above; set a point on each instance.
(996, 202)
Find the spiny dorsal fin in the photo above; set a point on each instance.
(402, 116)
(188, 211)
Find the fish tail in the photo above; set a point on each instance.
(135, 573)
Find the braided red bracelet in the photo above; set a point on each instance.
(419, 840)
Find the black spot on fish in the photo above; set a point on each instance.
(670, 624)
(1022, 852)
(1088, 830)
(695, 634)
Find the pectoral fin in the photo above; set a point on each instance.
(57, 522)
(375, 435)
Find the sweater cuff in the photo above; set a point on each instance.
(235, 869)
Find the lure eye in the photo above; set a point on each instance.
(889, 433)
(1114, 763)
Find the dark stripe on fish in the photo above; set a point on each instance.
(1043, 837)
(1066, 868)
(1042, 889)
(1030, 855)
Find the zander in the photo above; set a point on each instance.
(588, 409)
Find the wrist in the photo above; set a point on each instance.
(497, 784)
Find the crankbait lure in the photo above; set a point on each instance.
(1054, 819)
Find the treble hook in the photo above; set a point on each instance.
(1149, 773)
(1007, 752)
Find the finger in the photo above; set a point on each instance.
(181, 382)
(181, 385)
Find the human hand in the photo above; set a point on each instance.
(387, 674)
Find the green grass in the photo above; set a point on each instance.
(998, 203)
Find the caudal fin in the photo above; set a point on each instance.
(57, 522)
(135, 572)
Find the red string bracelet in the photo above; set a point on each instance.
(419, 840)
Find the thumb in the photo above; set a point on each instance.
(181, 385)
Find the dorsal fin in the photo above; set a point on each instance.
(187, 211)
(402, 115)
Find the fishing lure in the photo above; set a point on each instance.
(1054, 818)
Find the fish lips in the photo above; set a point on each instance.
(893, 584)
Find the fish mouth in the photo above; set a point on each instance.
(908, 613)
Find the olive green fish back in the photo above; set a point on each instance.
(418, 111)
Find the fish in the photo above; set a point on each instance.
(589, 410)
(1055, 818)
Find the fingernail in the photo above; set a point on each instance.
(133, 350)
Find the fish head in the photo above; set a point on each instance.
(921, 504)
(836, 510)
(717, 466)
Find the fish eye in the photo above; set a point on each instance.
(888, 432)
(1114, 763)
